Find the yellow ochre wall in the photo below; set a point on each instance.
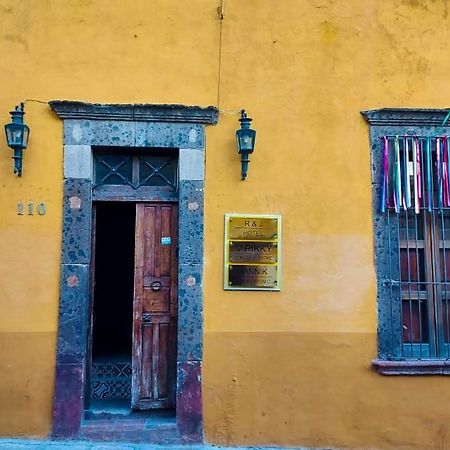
(287, 368)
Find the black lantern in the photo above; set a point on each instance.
(17, 134)
(245, 137)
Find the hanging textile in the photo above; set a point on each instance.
(415, 173)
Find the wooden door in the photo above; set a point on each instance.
(155, 306)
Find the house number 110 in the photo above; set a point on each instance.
(41, 208)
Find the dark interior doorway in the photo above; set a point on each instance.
(112, 314)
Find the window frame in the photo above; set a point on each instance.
(391, 359)
(133, 188)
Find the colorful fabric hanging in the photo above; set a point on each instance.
(407, 172)
(447, 150)
(446, 199)
(429, 182)
(415, 173)
(416, 186)
(385, 176)
(398, 183)
(438, 171)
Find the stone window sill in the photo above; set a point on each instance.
(412, 367)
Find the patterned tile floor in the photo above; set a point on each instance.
(111, 378)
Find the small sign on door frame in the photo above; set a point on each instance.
(252, 252)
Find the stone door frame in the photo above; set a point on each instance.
(152, 126)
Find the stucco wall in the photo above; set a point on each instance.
(280, 368)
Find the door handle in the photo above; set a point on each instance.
(156, 286)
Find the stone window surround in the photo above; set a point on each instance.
(163, 126)
(396, 121)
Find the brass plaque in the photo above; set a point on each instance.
(252, 228)
(252, 276)
(253, 252)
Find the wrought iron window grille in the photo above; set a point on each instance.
(418, 283)
(135, 169)
(156, 171)
(411, 214)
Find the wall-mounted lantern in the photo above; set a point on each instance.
(17, 134)
(245, 137)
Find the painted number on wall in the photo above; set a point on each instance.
(29, 209)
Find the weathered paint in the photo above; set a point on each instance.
(280, 368)
(317, 389)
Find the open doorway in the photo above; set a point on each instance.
(161, 128)
(112, 312)
(134, 312)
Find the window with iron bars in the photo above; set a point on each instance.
(135, 169)
(411, 215)
(419, 280)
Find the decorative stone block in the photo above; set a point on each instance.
(190, 312)
(68, 403)
(192, 164)
(77, 211)
(73, 313)
(189, 401)
(175, 135)
(99, 132)
(78, 161)
(191, 207)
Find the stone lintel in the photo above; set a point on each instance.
(66, 109)
(406, 116)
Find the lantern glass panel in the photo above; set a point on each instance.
(26, 134)
(246, 140)
(17, 135)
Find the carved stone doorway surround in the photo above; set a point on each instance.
(151, 126)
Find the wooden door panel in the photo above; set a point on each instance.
(155, 307)
(156, 301)
(157, 257)
(148, 222)
(164, 265)
(146, 363)
(161, 343)
(155, 364)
